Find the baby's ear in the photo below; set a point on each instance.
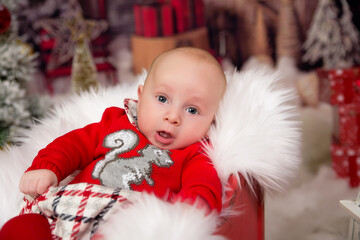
(213, 121)
(140, 90)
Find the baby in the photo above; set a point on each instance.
(152, 145)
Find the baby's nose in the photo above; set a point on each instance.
(172, 117)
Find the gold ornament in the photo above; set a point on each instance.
(72, 34)
(63, 29)
(83, 75)
(25, 48)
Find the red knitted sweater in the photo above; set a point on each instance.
(114, 153)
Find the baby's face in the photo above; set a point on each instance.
(178, 102)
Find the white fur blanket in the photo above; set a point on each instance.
(256, 133)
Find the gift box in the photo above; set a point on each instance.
(199, 13)
(165, 18)
(182, 15)
(346, 162)
(339, 86)
(95, 9)
(347, 124)
(189, 14)
(153, 20)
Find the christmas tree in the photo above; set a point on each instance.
(17, 63)
(332, 39)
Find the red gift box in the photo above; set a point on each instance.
(347, 124)
(138, 20)
(196, 13)
(153, 20)
(339, 160)
(339, 86)
(95, 9)
(346, 162)
(164, 19)
(182, 15)
(189, 14)
(150, 21)
(167, 20)
(199, 13)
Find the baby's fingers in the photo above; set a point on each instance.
(28, 186)
(37, 182)
(42, 186)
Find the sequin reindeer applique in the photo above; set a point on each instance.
(117, 172)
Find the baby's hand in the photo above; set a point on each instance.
(36, 182)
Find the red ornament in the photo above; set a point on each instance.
(5, 19)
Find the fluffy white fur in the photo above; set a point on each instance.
(255, 134)
(151, 218)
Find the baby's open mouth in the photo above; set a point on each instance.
(164, 138)
(164, 134)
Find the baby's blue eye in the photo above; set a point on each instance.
(162, 99)
(192, 110)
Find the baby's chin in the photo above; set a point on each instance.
(173, 146)
(164, 147)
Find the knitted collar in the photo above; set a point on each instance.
(130, 106)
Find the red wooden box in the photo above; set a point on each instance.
(339, 86)
(154, 20)
(346, 163)
(248, 202)
(347, 124)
